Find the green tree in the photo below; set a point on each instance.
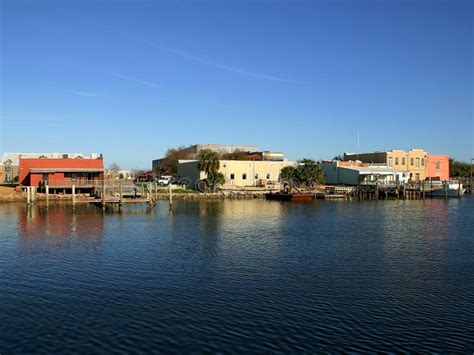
(235, 155)
(459, 168)
(288, 173)
(215, 179)
(309, 173)
(171, 160)
(208, 162)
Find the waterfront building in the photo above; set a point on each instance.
(61, 172)
(237, 173)
(412, 161)
(437, 167)
(192, 151)
(11, 162)
(357, 173)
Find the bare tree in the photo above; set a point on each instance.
(113, 170)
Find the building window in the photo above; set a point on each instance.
(417, 162)
(411, 161)
(244, 176)
(403, 161)
(8, 168)
(417, 177)
(390, 161)
(256, 176)
(422, 161)
(74, 177)
(268, 176)
(232, 176)
(396, 161)
(438, 164)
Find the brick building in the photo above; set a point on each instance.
(61, 173)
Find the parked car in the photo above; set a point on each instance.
(175, 181)
(164, 180)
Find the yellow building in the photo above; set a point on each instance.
(413, 161)
(238, 173)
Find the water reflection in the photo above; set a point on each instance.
(59, 221)
(244, 276)
(58, 232)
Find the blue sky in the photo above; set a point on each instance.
(130, 79)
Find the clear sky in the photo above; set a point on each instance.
(130, 79)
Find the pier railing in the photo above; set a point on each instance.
(68, 183)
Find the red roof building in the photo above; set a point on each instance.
(61, 173)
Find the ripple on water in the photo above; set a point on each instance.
(239, 276)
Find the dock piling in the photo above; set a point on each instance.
(171, 196)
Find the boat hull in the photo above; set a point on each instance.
(290, 197)
(451, 192)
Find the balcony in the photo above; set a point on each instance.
(68, 183)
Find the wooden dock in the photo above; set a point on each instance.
(376, 191)
(108, 194)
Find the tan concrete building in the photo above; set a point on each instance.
(413, 161)
(191, 152)
(238, 173)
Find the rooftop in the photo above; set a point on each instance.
(372, 169)
(15, 157)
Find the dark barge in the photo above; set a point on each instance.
(279, 196)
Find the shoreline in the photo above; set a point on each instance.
(161, 196)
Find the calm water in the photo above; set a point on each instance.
(238, 276)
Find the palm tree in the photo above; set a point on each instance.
(208, 162)
(288, 173)
(310, 173)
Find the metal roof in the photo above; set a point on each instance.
(15, 157)
(66, 170)
(372, 169)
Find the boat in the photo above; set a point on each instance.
(452, 188)
(291, 197)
